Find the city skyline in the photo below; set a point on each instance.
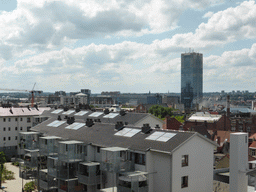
(125, 46)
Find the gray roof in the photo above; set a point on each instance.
(130, 118)
(102, 134)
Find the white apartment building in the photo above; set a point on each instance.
(13, 121)
(92, 155)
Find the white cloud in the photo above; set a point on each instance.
(130, 66)
(208, 14)
(50, 24)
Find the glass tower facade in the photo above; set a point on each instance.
(191, 78)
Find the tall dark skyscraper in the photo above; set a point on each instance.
(191, 77)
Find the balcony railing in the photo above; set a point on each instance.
(89, 180)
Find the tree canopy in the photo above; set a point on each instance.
(2, 162)
(160, 111)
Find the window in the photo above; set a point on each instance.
(233, 128)
(240, 128)
(16, 138)
(9, 119)
(140, 158)
(4, 119)
(16, 128)
(4, 129)
(9, 128)
(16, 119)
(184, 160)
(28, 128)
(28, 120)
(98, 149)
(21, 128)
(9, 138)
(4, 138)
(184, 181)
(249, 129)
(21, 119)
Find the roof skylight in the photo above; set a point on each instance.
(160, 136)
(56, 123)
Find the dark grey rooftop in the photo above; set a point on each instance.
(102, 134)
(130, 118)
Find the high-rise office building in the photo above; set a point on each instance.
(191, 77)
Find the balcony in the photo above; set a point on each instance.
(71, 151)
(49, 145)
(70, 186)
(89, 173)
(114, 159)
(133, 181)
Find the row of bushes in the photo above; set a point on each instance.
(16, 163)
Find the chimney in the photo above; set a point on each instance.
(122, 112)
(146, 128)
(238, 179)
(59, 118)
(70, 120)
(106, 111)
(119, 125)
(228, 106)
(89, 122)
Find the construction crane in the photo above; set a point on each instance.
(29, 91)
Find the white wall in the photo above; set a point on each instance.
(159, 167)
(12, 133)
(199, 169)
(152, 121)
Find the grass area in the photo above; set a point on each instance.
(7, 175)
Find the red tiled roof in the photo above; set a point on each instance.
(7, 112)
(253, 144)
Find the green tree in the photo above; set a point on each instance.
(160, 111)
(30, 186)
(180, 118)
(2, 162)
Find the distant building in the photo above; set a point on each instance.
(16, 120)
(155, 99)
(191, 77)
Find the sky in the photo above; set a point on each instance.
(125, 45)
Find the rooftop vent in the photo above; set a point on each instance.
(146, 128)
(59, 118)
(119, 125)
(78, 109)
(66, 117)
(36, 107)
(157, 126)
(70, 120)
(122, 112)
(97, 120)
(65, 108)
(106, 111)
(89, 122)
(126, 123)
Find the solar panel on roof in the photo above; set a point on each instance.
(132, 133)
(56, 123)
(95, 114)
(155, 135)
(166, 137)
(110, 115)
(57, 111)
(75, 126)
(123, 131)
(68, 112)
(81, 113)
